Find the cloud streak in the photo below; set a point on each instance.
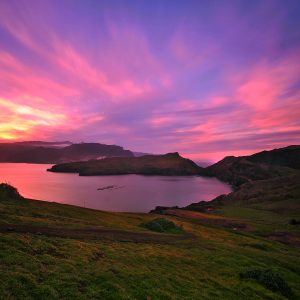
(203, 81)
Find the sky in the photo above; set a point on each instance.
(205, 78)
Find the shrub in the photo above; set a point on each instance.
(163, 225)
(8, 192)
(269, 279)
(294, 222)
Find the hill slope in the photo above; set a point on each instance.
(284, 157)
(278, 196)
(259, 166)
(55, 251)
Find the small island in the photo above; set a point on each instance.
(170, 164)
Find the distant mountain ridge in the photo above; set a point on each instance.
(57, 152)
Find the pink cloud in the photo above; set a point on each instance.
(160, 121)
(263, 101)
(202, 93)
(78, 67)
(182, 46)
(20, 120)
(127, 46)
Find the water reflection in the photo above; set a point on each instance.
(138, 193)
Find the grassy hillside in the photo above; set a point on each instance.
(55, 251)
(167, 164)
(271, 207)
(285, 157)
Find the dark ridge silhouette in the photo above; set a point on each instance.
(259, 166)
(53, 152)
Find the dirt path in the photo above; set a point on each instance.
(97, 234)
(209, 219)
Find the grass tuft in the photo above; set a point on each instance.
(9, 192)
(294, 222)
(259, 246)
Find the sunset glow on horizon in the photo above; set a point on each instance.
(204, 78)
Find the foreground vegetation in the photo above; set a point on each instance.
(55, 251)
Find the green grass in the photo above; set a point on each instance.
(269, 205)
(207, 266)
(269, 278)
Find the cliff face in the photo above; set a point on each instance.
(168, 164)
(37, 152)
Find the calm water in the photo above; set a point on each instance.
(132, 193)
